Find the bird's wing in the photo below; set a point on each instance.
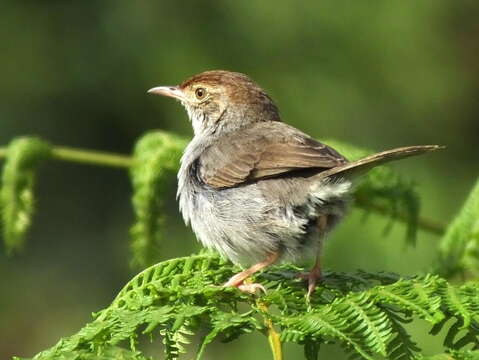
(264, 150)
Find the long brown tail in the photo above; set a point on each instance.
(365, 164)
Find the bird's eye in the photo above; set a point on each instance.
(200, 93)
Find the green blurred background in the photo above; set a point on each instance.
(377, 74)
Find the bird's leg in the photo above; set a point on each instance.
(238, 279)
(315, 274)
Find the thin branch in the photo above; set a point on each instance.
(99, 158)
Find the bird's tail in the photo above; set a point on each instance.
(363, 165)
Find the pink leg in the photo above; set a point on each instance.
(238, 279)
(315, 274)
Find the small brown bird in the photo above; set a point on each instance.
(253, 188)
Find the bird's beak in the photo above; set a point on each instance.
(171, 91)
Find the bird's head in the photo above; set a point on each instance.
(221, 101)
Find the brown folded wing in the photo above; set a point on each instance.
(266, 150)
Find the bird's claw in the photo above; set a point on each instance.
(312, 277)
(251, 288)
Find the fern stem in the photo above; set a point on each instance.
(92, 157)
(273, 336)
(423, 223)
(83, 156)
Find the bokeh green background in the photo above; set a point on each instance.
(377, 74)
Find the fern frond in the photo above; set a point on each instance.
(369, 320)
(175, 338)
(156, 156)
(16, 194)
(462, 305)
(363, 312)
(401, 346)
(459, 248)
(460, 301)
(231, 325)
(327, 323)
(419, 297)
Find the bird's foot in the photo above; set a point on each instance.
(312, 277)
(251, 288)
(238, 281)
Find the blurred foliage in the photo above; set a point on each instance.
(376, 74)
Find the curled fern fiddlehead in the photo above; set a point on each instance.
(156, 156)
(16, 195)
